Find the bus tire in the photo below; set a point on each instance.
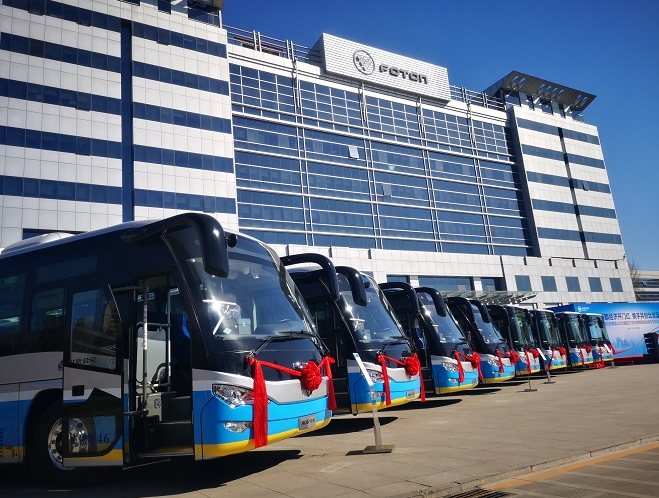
(44, 450)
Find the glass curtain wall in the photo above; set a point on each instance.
(322, 166)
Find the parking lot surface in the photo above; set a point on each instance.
(451, 445)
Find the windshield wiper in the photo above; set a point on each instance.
(279, 338)
(295, 334)
(394, 343)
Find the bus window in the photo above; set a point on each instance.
(11, 300)
(47, 319)
(95, 327)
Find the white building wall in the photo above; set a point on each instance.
(30, 211)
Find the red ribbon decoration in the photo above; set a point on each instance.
(412, 367)
(583, 361)
(475, 361)
(528, 360)
(601, 364)
(613, 350)
(563, 351)
(310, 378)
(588, 348)
(514, 358)
(551, 359)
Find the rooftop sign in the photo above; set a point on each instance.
(377, 67)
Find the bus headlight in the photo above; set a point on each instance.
(375, 375)
(233, 395)
(450, 367)
(492, 361)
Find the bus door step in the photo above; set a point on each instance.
(173, 433)
(167, 452)
(177, 408)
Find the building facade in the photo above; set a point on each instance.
(118, 110)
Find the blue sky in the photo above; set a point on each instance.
(604, 47)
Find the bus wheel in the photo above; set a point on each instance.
(45, 455)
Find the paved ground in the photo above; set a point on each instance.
(628, 473)
(450, 445)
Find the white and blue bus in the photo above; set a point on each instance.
(544, 326)
(353, 316)
(601, 347)
(497, 358)
(514, 323)
(575, 339)
(448, 361)
(152, 340)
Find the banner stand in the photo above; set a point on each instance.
(549, 381)
(529, 389)
(528, 375)
(378, 447)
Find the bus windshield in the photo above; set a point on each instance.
(605, 334)
(257, 301)
(374, 326)
(445, 327)
(596, 332)
(547, 332)
(520, 329)
(490, 333)
(573, 329)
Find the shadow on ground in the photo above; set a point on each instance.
(172, 477)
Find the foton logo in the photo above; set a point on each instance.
(366, 65)
(404, 73)
(363, 62)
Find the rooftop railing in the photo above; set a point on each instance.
(288, 50)
(273, 46)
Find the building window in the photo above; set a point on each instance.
(573, 284)
(616, 284)
(491, 284)
(529, 102)
(447, 283)
(398, 278)
(523, 282)
(595, 284)
(545, 106)
(549, 284)
(513, 98)
(165, 6)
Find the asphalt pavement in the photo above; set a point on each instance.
(449, 445)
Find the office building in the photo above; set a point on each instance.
(118, 110)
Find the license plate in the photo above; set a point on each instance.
(411, 394)
(308, 422)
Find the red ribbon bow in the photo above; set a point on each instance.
(475, 361)
(310, 378)
(514, 358)
(412, 367)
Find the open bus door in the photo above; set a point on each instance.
(90, 430)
